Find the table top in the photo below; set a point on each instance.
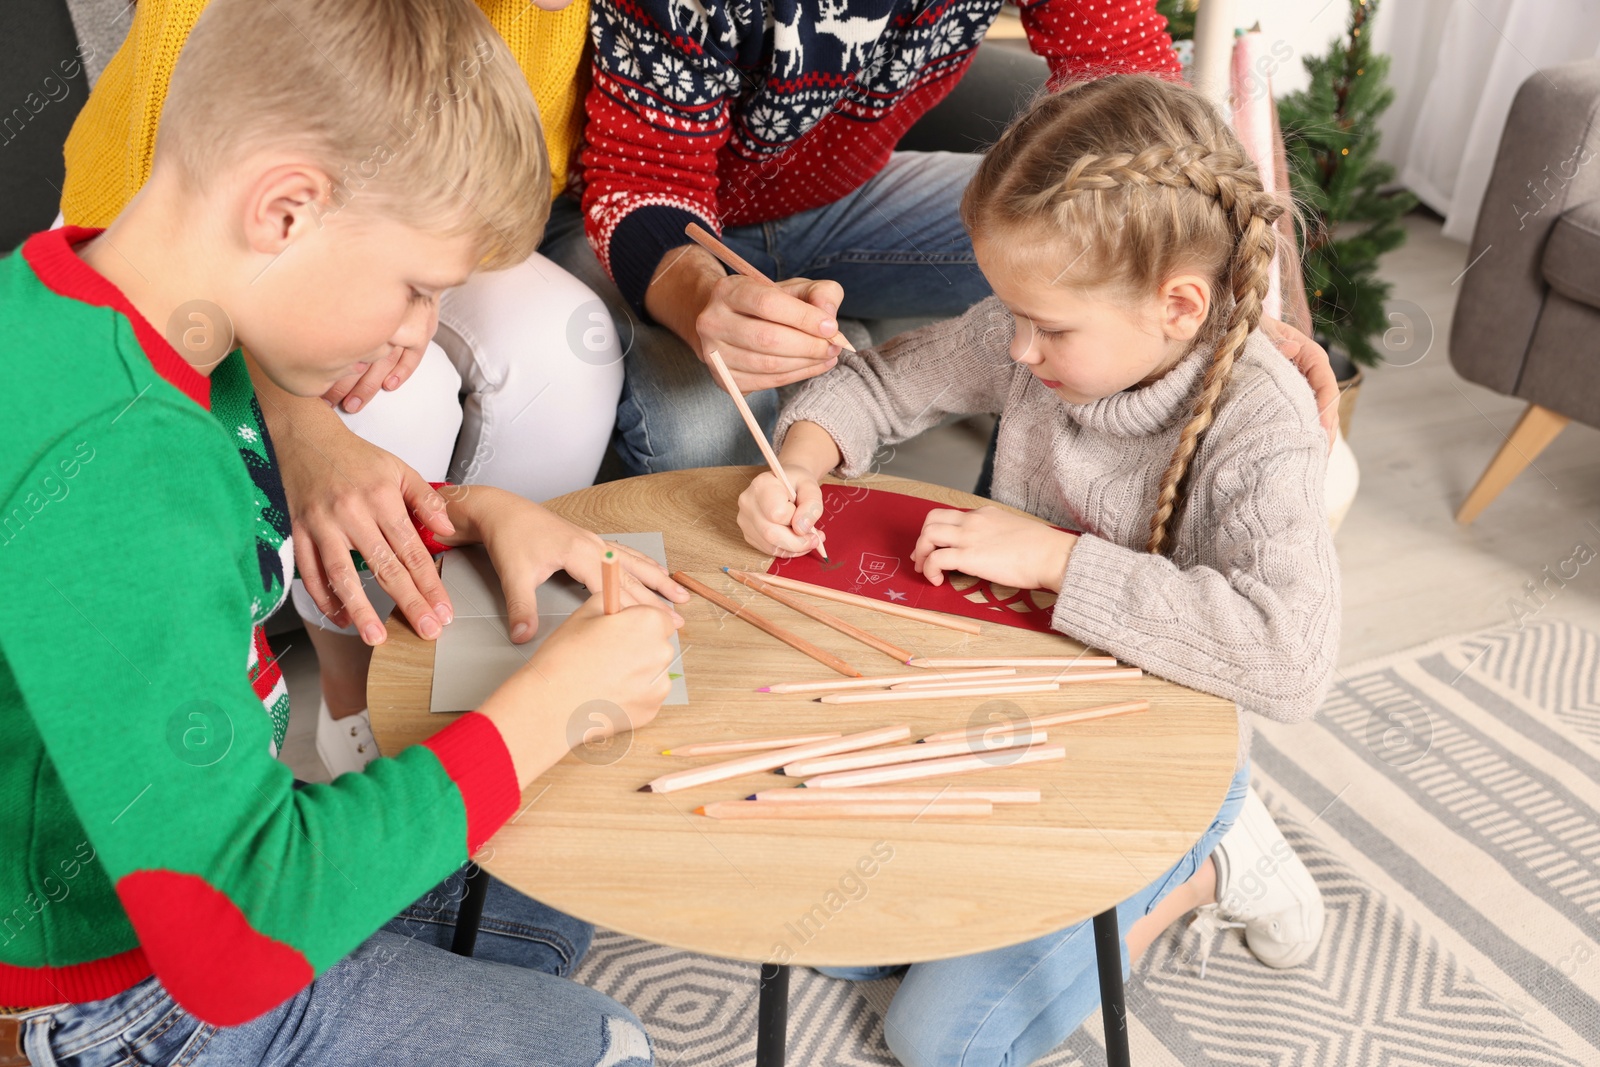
(1133, 794)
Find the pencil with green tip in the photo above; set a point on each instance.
(611, 582)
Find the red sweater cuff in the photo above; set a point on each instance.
(432, 545)
(475, 757)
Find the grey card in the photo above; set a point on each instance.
(475, 653)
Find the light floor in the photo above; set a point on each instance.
(1422, 436)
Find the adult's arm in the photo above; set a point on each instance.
(345, 494)
(659, 111)
(1081, 41)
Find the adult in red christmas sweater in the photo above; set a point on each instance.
(774, 124)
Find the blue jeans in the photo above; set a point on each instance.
(896, 245)
(401, 998)
(1011, 1006)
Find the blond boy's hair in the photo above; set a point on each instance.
(1137, 178)
(412, 107)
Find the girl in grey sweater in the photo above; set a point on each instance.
(1129, 244)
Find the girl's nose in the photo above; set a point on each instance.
(1025, 345)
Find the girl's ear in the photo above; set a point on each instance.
(1186, 301)
(286, 202)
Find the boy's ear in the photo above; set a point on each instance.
(1186, 300)
(286, 203)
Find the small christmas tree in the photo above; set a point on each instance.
(1330, 130)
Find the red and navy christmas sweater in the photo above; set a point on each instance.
(731, 112)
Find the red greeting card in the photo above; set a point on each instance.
(870, 537)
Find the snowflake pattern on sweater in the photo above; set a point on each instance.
(235, 407)
(732, 112)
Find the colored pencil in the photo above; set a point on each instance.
(734, 261)
(849, 809)
(883, 681)
(726, 379)
(936, 694)
(1083, 662)
(934, 618)
(886, 757)
(935, 768)
(894, 652)
(913, 684)
(828, 659)
(754, 744)
(611, 583)
(766, 761)
(993, 796)
(1055, 718)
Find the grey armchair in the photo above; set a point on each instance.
(1527, 322)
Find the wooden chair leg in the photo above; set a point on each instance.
(1536, 429)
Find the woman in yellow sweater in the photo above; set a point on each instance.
(519, 388)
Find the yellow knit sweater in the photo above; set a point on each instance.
(108, 152)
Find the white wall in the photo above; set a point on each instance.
(1297, 28)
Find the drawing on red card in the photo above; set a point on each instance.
(877, 568)
(876, 530)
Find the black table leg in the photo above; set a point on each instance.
(470, 912)
(1113, 1009)
(772, 1016)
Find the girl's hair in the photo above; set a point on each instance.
(1137, 179)
(413, 107)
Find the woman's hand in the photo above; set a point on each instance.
(771, 523)
(527, 544)
(771, 335)
(347, 494)
(388, 374)
(1311, 360)
(995, 545)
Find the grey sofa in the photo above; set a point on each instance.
(1527, 321)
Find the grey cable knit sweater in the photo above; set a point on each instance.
(1246, 607)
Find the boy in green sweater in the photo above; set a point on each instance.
(324, 170)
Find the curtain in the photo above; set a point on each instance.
(1456, 66)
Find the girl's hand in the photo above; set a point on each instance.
(527, 544)
(994, 545)
(772, 524)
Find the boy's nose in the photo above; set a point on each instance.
(418, 327)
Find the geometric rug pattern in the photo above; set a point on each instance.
(1447, 801)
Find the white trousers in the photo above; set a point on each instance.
(518, 390)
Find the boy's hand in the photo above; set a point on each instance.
(389, 373)
(527, 544)
(994, 545)
(772, 524)
(595, 676)
(344, 494)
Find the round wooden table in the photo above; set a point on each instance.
(1134, 793)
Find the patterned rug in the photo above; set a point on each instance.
(1447, 800)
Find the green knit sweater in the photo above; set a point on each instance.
(145, 823)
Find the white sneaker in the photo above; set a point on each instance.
(345, 744)
(1263, 889)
